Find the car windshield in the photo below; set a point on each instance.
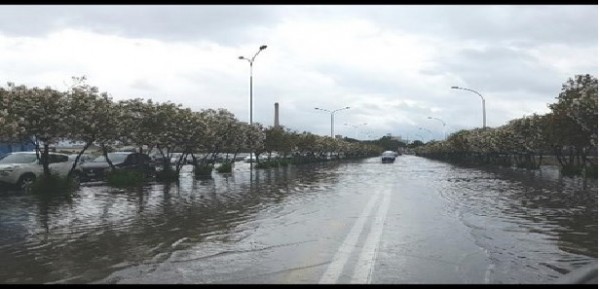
(114, 157)
(18, 159)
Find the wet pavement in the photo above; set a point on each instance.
(411, 221)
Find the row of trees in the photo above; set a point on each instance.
(84, 115)
(569, 132)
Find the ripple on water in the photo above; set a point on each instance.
(534, 226)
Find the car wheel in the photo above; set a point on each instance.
(25, 181)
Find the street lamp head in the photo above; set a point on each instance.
(429, 117)
(347, 107)
(263, 47)
(454, 87)
(241, 57)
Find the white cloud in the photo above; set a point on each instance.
(392, 65)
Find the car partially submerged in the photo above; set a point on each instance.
(20, 169)
(97, 169)
(388, 156)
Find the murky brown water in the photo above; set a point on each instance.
(534, 226)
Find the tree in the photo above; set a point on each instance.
(90, 115)
(39, 114)
(574, 121)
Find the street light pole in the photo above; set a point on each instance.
(443, 124)
(251, 61)
(482, 100)
(332, 113)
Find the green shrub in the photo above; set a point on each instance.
(591, 172)
(284, 162)
(54, 185)
(203, 171)
(168, 175)
(570, 171)
(265, 164)
(125, 178)
(262, 165)
(225, 167)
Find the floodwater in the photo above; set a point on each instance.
(436, 223)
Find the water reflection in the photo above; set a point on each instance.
(521, 217)
(535, 225)
(102, 229)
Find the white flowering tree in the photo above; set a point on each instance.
(255, 139)
(39, 114)
(91, 116)
(140, 124)
(574, 121)
(12, 126)
(234, 141)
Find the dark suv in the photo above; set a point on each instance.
(97, 169)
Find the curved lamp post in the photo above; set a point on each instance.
(482, 99)
(443, 124)
(251, 61)
(332, 113)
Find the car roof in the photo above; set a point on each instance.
(30, 153)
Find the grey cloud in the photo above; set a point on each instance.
(223, 24)
(520, 24)
(501, 69)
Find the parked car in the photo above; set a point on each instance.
(175, 158)
(84, 158)
(22, 168)
(252, 158)
(97, 169)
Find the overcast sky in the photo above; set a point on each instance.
(392, 65)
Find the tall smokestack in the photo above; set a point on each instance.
(276, 114)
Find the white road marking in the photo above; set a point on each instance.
(488, 274)
(366, 261)
(334, 269)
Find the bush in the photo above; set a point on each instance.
(265, 164)
(168, 175)
(225, 167)
(571, 170)
(203, 171)
(54, 185)
(125, 178)
(591, 172)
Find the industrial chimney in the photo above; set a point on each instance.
(276, 115)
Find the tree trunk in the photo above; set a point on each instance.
(78, 157)
(46, 160)
(105, 154)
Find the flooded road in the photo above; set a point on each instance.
(412, 221)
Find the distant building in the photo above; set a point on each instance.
(6, 148)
